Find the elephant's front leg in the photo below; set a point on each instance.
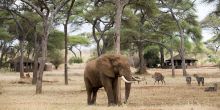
(115, 90)
(107, 83)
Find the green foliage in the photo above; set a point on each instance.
(56, 58)
(213, 44)
(218, 64)
(4, 35)
(105, 11)
(151, 55)
(78, 40)
(75, 60)
(4, 70)
(213, 59)
(56, 40)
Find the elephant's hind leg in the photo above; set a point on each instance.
(94, 94)
(89, 91)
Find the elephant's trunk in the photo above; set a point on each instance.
(127, 87)
(127, 91)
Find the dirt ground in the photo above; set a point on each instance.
(175, 95)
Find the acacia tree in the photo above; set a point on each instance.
(47, 10)
(101, 16)
(136, 25)
(180, 11)
(75, 42)
(68, 14)
(6, 37)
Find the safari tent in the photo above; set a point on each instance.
(15, 64)
(190, 62)
(28, 65)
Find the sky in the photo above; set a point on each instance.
(203, 9)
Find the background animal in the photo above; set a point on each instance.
(188, 80)
(28, 75)
(211, 89)
(199, 79)
(104, 72)
(139, 79)
(158, 77)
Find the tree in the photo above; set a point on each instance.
(6, 41)
(68, 14)
(56, 58)
(101, 16)
(139, 29)
(47, 11)
(183, 7)
(75, 42)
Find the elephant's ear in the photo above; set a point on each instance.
(104, 65)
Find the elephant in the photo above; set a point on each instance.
(104, 72)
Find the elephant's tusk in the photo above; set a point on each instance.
(127, 80)
(136, 79)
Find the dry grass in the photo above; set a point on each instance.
(175, 95)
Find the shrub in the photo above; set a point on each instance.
(218, 64)
(75, 60)
(56, 58)
(4, 70)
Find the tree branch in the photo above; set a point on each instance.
(60, 6)
(34, 7)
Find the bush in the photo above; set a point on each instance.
(151, 56)
(4, 70)
(56, 58)
(75, 60)
(218, 64)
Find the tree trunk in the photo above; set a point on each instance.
(36, 56)
(65, 42)
(73, 52)
(43, 56)
(182, 48)
(41, 68)
(161, 56)
(142, 65)
(117, 44)
(66, 53)
(172, 62)
(96, 39)
(117, 28)
(22, 58)
(2, 55)
(182, 53)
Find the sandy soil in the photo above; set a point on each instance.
(175, 95)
